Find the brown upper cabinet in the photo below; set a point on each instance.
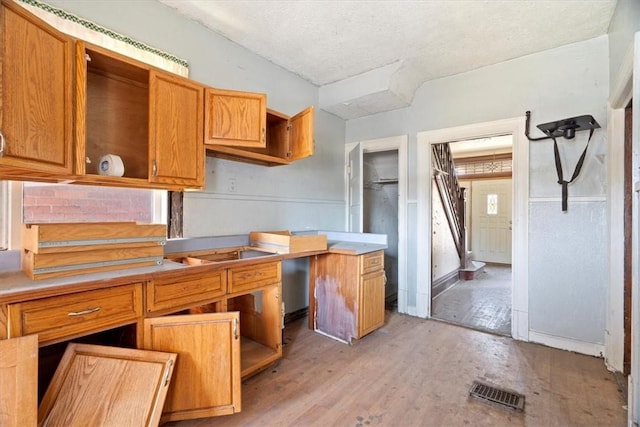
(235, 118)
(36, 112)
(65, 104)
(151, 119)
(238, 126)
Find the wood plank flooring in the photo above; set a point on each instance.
(483, 303)
(416, 372)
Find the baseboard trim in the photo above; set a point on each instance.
(569, 344)
(443, 283)
(295, 315)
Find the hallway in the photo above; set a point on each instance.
(483, 303)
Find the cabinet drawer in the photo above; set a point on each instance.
(371, 262)
(253, 276)
(185, 290)
(68, 316)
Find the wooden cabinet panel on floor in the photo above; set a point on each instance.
(19, 379)
(346, 294)
(206, 380)
(36, 110)
(107, 386)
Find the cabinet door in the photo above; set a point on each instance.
(19, 379)
(206, 380)
(371, 307)
(301, 143)
(96, 385)
(236, 119)
(37, 93)
(176, 151)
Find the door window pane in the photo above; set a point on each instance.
(492, 204)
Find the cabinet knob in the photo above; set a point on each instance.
(235, 328)
(154, 169)
(167, 373)
(3, 144)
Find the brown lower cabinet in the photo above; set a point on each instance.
(229, 331)
(346, 294)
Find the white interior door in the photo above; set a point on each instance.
(355, 190)
(491, 220)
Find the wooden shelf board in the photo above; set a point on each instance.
(236, 154)
(255, 356)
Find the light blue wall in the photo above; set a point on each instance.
(567, 260)
(307, 194)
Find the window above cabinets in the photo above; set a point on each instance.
(37, 203)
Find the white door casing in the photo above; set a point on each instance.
(354, 155)
(520, 210)
(354, 175)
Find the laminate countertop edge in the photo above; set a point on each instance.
(15, 286)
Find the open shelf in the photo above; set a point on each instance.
(255, 356)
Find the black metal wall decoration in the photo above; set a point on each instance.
(566, 128)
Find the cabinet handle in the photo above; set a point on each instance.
(83, 312)
(235, 328)
(167, 372)
(3, 144)
(154, 169)
(263, 134)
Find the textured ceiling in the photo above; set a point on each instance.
(383, 50)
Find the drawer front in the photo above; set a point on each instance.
(68, 316)
(371, 262)
(253, 276)
(186, 290)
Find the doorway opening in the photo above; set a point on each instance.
(471, 280)
(376, 196)
(520, 211)
(380, 211)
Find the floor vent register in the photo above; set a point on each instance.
(497, 396)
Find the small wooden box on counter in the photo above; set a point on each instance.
(58, 250)
(284, 242)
